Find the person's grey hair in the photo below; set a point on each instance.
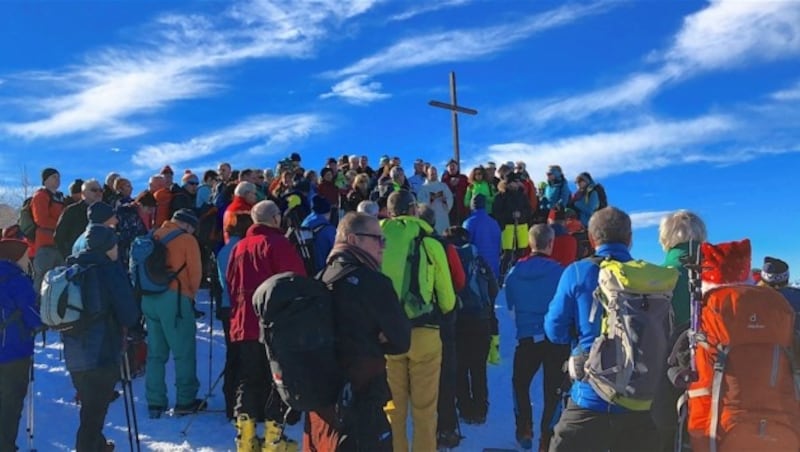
(610, 225)
(243, 188)
(263, 212)
(681, 227)
(427, 214)
(353, 223)
(540, 236)
(370, 208)
(89, 183)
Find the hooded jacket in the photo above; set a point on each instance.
(105, 288)
(484, 233)
(556, 193)
(238, 206)
(46, 208)
(323, 239)
(17, 301)
(183, 250)
(435, 282)
(567, 319)
(480, 188)
(71, 224)
(529, 286)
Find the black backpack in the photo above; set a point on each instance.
(601, 195)
(303, 240)
(26, 224)
(297, 328)
(475, 298)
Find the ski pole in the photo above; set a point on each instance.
(30, 416)
(185, 430)
(125, 397)
(127, 389)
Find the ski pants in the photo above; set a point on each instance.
(507, 237)
(472, 349)
(528, 358)
(446, 407)
(256, 395)
(167, 331)
(14, 379)
(414, 378)
(582, 430)
(96, 387)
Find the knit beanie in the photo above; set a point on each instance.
(186, 216)
(100, 238)
(320, 205)
(99, 213)
(47, 172)
(12, 249)
(775, 271)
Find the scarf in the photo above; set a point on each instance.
(353, 252)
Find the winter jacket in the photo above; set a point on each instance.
(365, 305)
(203, 196)
(183, 250)
(71, 224)
(329, 191)
(569, 313)
(129, 227)
(792, 295)
(354, 198)
(508, 202)
(555, 194)
(46, 208)
(163, 205)
(458, 186)
(18, 312)
(105, 288)
(565, 246)
(435, 282)
(681, 299)
(182, 199)
(263, 252)
(484, 233)
(586, 203)
(237, 207)
(480, 188)
(323, 238)
(416, 182)
(439, 197)
(223, 257)
(529, 287)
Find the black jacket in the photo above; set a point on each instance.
(71, 224)
(365, 305)
(508, 202)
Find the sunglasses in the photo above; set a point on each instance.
(192, 183)
(381, 239)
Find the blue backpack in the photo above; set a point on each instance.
(148, 267)
(475, 297)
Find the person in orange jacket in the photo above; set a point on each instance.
(46, 207)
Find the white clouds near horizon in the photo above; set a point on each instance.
(261, 133)
(106, 91)
(726, 34)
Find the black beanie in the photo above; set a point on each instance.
(47, 172)
(774, 271)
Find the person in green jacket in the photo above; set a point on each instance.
(479, 185)
(680, 235)
(414, 376)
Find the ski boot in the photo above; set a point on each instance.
(275, 440)
(246, 439)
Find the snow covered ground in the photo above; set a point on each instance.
(56, 414)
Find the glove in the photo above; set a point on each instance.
(494, 350)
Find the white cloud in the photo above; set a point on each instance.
(265, 132)
(460, 45)
(427, 7)
(356, 90)
(789, 94)
(641, 220)
(726, 34)
(106, 91)
(649, 146)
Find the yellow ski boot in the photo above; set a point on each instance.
(246, 439)
(275, 440)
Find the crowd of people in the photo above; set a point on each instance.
(414, 264)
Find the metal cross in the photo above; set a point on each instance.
(455, 109)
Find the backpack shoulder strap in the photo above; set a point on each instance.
(172, 235)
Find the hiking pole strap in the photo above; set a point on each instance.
(716, 394)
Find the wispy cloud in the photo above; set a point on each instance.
(461, 45)
(726, 34)
(427, 7)
(789, 94)
(653, 145)
(641, 220)
(261, 132)
(357, 90)
(109, 89)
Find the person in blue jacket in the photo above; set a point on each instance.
(484, 233)
(19, 319)
(586, 200)
(589, 423)
(324, 232)
(529, 287)
(93, 354)
(236, 230)
(556, 191)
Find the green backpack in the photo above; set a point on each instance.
(414, 304)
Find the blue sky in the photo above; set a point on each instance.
(670, 104)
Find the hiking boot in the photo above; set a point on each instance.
(524, 436)
(155, 411)
(544, 441)
(191, 407)
(275, 440)
(448, 440)
(108, 446)
(525, 443)
(246, 439)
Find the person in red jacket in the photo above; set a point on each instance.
(46, 207)
(565, 246)
(457, 183)
(263, 252)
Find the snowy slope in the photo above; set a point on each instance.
(56, 414)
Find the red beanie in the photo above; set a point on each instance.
(726, 263)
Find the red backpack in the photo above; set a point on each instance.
(746, 394)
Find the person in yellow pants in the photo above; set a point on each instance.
(512, 211)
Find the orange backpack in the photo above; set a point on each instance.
(746, 396)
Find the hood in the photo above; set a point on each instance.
(313, 220)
